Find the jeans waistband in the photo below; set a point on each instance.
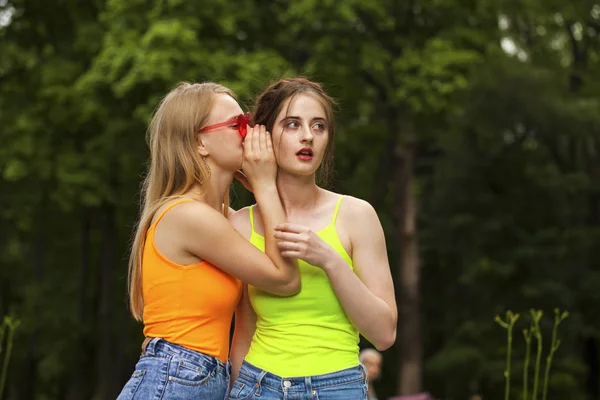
(158, 346)
(345, 376)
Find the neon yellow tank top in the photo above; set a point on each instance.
(306, 334)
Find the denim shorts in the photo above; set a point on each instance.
(169, 371)
(253, 382)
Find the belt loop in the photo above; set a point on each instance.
(259, 379)
(309, 389)
(365, 374)
(148, 345)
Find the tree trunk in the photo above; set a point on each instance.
(29, 381)
(107, 388)
(409, 319)
(76, 389)
(591, 356)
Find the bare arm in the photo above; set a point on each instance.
(260, 169)
(206, 234)
(245, 325)
(267, 199)
(194, 230)
(367, 296)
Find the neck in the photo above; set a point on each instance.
(213, 192)
(297, 192)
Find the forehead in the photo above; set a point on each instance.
(303, 105)
(225, 107)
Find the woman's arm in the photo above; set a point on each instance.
(245, 324)
(208, 235)
(245, 317)
(260, 168)
(367, 296)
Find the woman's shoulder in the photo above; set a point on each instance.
(354, 210)
(350, 204)
(185, 212)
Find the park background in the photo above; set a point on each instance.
(472, 126)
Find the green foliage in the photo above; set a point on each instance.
(508, 324)
(507, 169)
(534, 331)
(7, 328)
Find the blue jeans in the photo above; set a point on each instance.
(253, 382)
(168, 371)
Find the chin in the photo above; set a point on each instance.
(232, 166)
(293, 167)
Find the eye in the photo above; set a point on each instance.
(320, 126)
(292, 125)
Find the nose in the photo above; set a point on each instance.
(306, 135)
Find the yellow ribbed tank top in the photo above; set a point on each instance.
(308, 333)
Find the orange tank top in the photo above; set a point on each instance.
(189, 305)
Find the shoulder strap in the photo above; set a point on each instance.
(162, 214)
(337, 209)
(251, 213)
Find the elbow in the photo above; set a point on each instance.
(282, 287)
(290, 287)
(387, 341)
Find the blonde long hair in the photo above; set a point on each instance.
(175, 165)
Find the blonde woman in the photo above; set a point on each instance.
(187, 262)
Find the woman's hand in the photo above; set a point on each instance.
(297, 241)
(258, 163)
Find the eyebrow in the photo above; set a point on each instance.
(313, 119)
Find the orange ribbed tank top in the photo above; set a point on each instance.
(189, 305)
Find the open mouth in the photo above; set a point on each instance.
(305, 153)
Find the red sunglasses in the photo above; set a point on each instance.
(241, 121)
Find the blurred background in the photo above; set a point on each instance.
(472, 126)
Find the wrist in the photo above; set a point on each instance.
(265, 186)
(267, 199)
(333, 264)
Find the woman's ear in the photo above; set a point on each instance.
(200, 147)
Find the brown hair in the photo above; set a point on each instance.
(175, 165)
(269, 104)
